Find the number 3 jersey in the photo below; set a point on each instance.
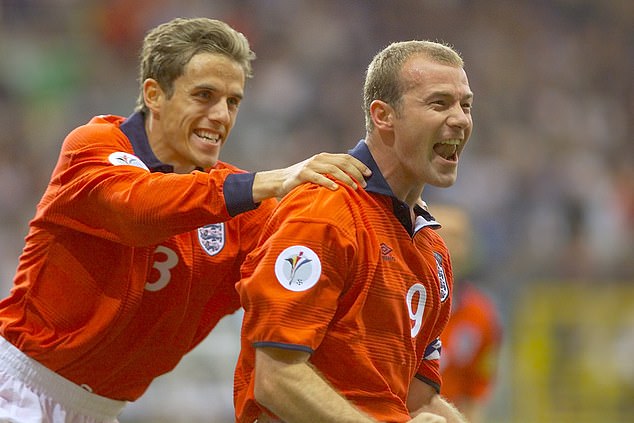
(345, 276)
(127, 265)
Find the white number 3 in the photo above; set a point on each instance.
(163, 267)
(416, 313)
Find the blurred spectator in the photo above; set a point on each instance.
(471, 341)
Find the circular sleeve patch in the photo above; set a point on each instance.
(297, 268)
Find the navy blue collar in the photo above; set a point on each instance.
(377, 184)
(134, 128)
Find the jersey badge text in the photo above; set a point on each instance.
(297, 268)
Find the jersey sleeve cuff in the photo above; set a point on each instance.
(238, 193)
(430, 382)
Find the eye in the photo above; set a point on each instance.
(233, 102)
(439, 104)
(203, 95)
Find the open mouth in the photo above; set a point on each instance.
(448, 149)
(208, 137)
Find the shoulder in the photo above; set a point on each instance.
(310, 207)
(314, 200)
(99, 130)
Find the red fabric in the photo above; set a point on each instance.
(470, 345)
(114, 285)
(356, 318)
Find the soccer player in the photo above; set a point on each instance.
(471, 341)
(134, 251)
(348, 292)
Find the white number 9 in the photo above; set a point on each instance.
(416, 313)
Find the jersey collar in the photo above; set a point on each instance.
(134, 128)
(377, 184)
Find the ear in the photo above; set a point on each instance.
(382, 115)
(152, 94)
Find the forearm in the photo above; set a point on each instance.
(296, 393)
(267, 184)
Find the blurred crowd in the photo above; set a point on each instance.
(548, 175)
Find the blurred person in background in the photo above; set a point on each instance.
(135, 247)
(348, 292)
(471, 341)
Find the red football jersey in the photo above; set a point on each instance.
(470, 345)
(340, 276)
(125, 270)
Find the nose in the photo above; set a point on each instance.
(459, 118)
(219, 112)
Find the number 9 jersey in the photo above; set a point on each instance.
(346, 277)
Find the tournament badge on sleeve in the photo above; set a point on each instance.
(212, 238)
(297, 268)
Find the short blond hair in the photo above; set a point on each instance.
(383, 76)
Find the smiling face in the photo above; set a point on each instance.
(188, 129)
(432, 122)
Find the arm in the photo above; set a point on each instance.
(423, 398)
(288, 386)
(277, 183)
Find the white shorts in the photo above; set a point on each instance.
(31, 393)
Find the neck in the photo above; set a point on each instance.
(392, 171)
(161, 149)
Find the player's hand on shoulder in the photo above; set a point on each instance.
(343, 167)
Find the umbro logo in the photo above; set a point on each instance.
(386, 252)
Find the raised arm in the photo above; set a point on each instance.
(343, 167)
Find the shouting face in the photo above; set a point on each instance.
(433, 121)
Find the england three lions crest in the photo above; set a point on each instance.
(212, 238)
(444, 288)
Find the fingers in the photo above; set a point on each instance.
(347, 163)
(320, 179)
(343, 167)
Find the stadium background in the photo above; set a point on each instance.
(548, 174)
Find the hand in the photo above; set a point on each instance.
(428, 418)
(343, 167)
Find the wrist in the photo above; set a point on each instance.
(266, 184)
